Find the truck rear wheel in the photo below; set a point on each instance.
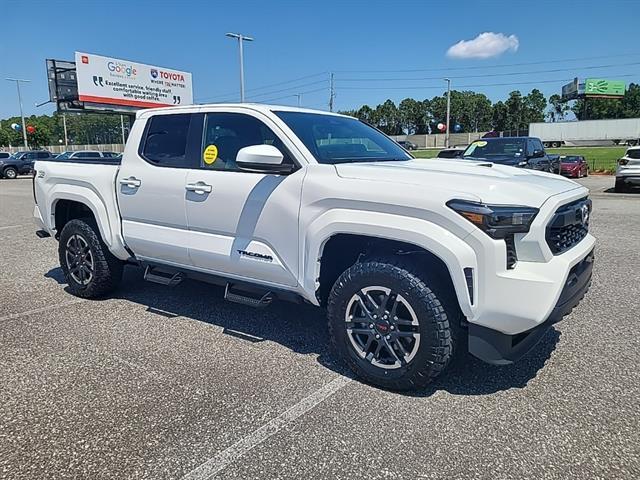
(89, 268)
(389, 325)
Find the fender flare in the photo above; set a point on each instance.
(450, 249)
(91, 200)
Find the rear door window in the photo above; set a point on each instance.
(165, 142)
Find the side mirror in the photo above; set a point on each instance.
(262, 159)
(537, 154)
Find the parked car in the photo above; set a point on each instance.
(415, 261)
(522, 152)
(628, 170)
(574, 166)
(407, 145)
(21, 163)
(455, 152)
(87, 154)
(555, 162)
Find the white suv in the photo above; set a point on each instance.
(628, 171)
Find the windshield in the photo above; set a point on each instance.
(64, 155)
(635, 153)
(332, 139)
(570, 159)
(500, 147)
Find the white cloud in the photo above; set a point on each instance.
(485, 45)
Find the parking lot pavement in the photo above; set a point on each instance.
(164, 383)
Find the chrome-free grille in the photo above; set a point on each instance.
(569, 225)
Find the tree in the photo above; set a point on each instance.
(500, 116)
(412, 115)
(534, 107)
(387, 118)
(558, 108)
(515, 110)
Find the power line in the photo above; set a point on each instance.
(289, 88)
(292, 95)
(486, 75)
(225, 95)
(476, 67)
(438, 87)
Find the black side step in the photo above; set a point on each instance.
(155, 275)
(244, 298)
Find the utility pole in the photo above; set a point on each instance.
(332, 92)
(241, 39)
(24, 126)
(448, 80)
(299, 97)
(64, 125)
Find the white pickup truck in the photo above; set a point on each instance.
(414, 260)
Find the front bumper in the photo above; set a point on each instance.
(500, 348)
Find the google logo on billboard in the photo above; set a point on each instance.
(122, 69)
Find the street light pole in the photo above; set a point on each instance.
(448, 80)
(241, 39)
(299, 97)
(24, 126)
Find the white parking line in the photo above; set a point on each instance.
(225, 458)
(15, 226)
(41, 309)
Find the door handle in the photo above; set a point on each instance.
(199, 188)
(132, 182)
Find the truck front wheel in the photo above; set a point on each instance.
(389, 325)
(89, 268)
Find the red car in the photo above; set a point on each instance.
(574, 166)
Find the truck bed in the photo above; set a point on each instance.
(88, 181)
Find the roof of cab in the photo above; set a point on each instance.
(260, 107)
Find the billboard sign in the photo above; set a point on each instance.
(111, 81)
(600, 87)
(570, 90)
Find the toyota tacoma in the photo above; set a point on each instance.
(415, 261)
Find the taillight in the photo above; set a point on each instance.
(623, 161)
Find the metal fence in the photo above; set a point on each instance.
(107, 147)
(438, 140)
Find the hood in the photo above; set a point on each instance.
(490, 182)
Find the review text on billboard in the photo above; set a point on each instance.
(112, 81)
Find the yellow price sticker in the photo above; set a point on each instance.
(210, 154)
(480, 144)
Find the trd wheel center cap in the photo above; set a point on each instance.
(383, 327)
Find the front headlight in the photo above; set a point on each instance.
(497, 221)
(522, 164)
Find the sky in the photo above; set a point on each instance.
(376, 49)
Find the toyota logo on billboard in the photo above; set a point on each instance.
(154, 73)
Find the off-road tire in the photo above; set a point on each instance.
(10, 173)
(434, 311)
(108, 269)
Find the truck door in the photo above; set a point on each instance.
(151, 188)
(242, 224)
